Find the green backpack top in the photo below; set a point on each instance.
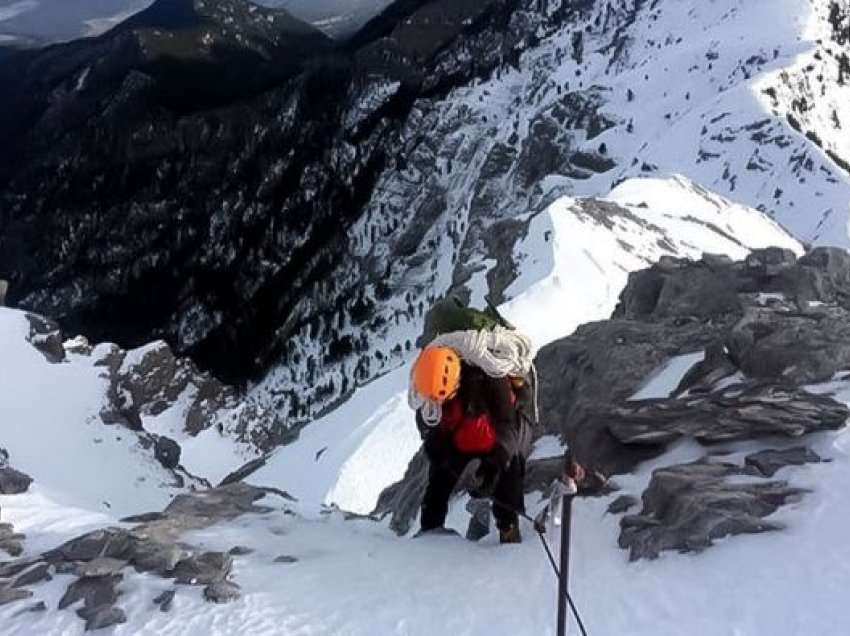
(449, 314)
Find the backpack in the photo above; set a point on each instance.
(450, 314)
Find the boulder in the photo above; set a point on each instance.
(46, 336)
(204, 568)
(102, 617)
(738, 412)
(769, 461)
(12, 594)
(101, 566)
(688, 506)
(33, 574)
(95, 592)
(222, 592)
(13, 482)
(165, 600)
(167, 452)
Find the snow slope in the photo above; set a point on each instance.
(358, 579)
(573, 263)
(52, 431)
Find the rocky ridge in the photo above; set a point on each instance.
(770, 327)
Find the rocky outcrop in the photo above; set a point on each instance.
(46, 337)
(4, 289)
(100, 558)
(12, 482)
(769, 461)
(769, 326)
(687, 507)
(737, 412)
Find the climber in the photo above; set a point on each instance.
(467, 388)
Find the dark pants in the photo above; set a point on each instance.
(443, 475)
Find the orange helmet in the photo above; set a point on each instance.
(436, 373)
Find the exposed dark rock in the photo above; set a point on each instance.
(767, 462)
(165, 600)
(34, 574)
(622, 504)
(46, 337)
(285, 558)
(11, 594)
(109, 542)
(222, 592)
(780, 343)
(240, 550)
(738, 412)
(95, 592)
(101, 617)
(144, 517)
(155, 556)
(688, 506)
(479, 520)
(204, 568)
(603, 364)
(244, 471)
(8, 569)
(541, 473)
(167, 452)
(101, 566)
(13, 482)
(13, 543)
(403, 499)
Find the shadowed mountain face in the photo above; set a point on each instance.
(192, 173)
(218, 176)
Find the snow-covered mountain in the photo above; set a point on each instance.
(310, 567)
(41, 22)
(637, 185)
(456, 122)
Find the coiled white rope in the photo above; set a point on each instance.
(499, 353)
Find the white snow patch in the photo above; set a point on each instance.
(665, 379)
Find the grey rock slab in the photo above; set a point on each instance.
(101, 566)
(622, 504)
(688, 506)
(9, 569)
(767, 462)
(222, 592)
(479, 520)
(204, 568)
(102, 617)
(33, 574)
(95, 592)
(13, 482)
(12, 594)
(740, 412)
(108, 542)
(165, 600)
(153, 556)
(285, 558)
